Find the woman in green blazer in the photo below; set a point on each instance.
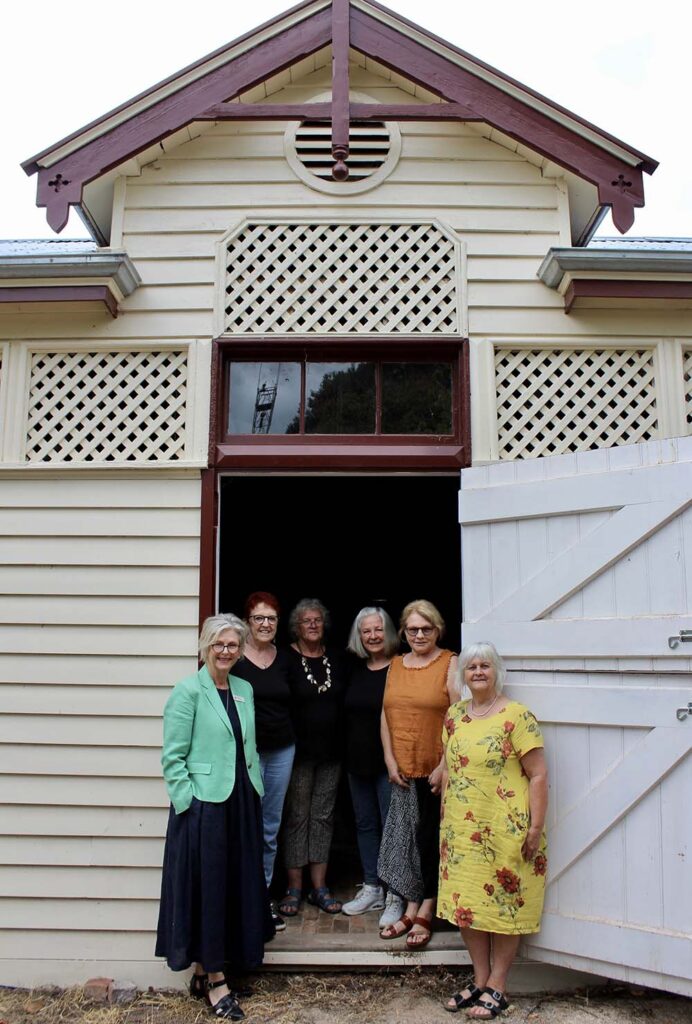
(214, 905)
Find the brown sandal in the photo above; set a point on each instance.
(391, 932)
(421, 939)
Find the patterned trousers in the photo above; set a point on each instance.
(309, 812)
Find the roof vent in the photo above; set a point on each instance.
(374, 149)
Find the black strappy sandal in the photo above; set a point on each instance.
(198, 986)
(227, 1008)
(493, 1009)
(463, 1002)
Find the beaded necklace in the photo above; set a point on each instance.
(321, 687)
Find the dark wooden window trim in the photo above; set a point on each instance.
(62, 293)
(595, 288)
(353, 452)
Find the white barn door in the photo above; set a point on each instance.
(579, 569)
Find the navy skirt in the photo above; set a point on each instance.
(214, 903)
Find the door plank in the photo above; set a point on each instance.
(639, 771)
(645, 637)
(602, 705)
(618, 944)
(591, 492)
(587, 559)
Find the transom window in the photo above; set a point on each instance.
(371, 396)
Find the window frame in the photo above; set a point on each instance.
(340, 450)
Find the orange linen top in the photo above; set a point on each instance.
(415, 703)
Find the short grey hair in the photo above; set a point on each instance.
(391, 641)
(307, 604)
(488, 652)
(216, 624)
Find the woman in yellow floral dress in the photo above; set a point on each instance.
(492, 845)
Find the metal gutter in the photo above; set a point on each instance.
(116, 265)
(667, 263)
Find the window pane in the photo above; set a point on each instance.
(340, 398)
(264, 398)
(416, 398)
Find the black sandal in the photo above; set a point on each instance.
(493, 1009)
(463, 1002)
(198, 986)
(227, 1008)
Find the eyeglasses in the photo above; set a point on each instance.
(259, 619)
(220, 648)
(415, 630)
(311, 622)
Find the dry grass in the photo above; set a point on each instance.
(279, 998)
(346, 998)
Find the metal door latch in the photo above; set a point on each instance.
(682, 713)
(683, 637)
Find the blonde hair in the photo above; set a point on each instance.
(427, 610)
(216, 624)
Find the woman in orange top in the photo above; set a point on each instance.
(420, 687)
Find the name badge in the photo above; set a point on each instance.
(241, 700)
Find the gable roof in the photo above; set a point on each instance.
(471, 90)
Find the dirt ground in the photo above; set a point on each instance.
(412, 998)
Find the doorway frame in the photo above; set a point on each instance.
(357, 455)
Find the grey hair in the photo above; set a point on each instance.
(391, 641)
(216, 624)
(305, 605)
(488, 652)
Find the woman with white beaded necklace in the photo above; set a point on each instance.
(317, 680)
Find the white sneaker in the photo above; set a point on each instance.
(368, 897)
(393, 909)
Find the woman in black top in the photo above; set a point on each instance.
(316, 676)
(374, 641)
(266, 669)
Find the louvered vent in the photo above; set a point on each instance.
(369, 148)
(374, 151)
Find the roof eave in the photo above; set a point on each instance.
(113, 264)
(561, 261)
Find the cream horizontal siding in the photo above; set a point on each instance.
(78, 851)
(98, 619)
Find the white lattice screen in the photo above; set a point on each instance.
(107, 407)
(554, 401)
(342, 279)
(687, 378)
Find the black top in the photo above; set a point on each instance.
(317, 715)
(273, 724)
(363, 707)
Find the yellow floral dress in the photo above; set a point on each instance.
(484, 881)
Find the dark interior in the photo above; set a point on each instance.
(351, 541)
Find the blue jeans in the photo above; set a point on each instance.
(275, 766)
(370, 798)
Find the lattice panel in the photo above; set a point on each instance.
(107, 407)
(687, 377)
(342, 279)
(555, 401)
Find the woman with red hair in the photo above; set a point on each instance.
(266, 669)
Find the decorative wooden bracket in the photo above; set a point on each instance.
(341, 117)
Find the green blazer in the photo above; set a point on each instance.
(198, 755)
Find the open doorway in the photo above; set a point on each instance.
(350, 540)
